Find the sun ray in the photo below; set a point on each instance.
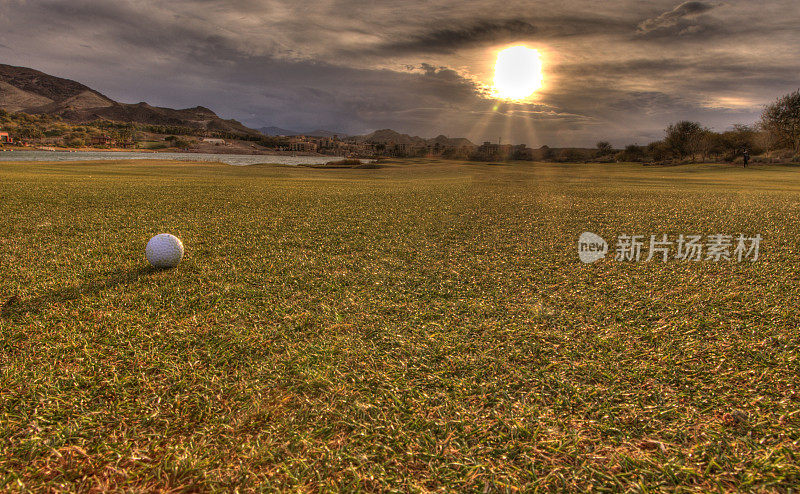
(530, 130)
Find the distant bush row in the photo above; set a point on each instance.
(775, 138)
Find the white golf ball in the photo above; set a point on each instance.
(164, 250)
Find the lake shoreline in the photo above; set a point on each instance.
(229, 159)
(55, 149)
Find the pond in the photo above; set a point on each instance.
(231, 159)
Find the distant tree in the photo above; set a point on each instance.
(733, 142)
(683, 139)
(125, 134)
(570, 155)
(55, 132)
(708, 143)
(547, 153)
(658, 151)
(182, 143)
(766, 140)
(633, 153)
(29, 131)
(74, 142)
(604, 148)
(782, 120)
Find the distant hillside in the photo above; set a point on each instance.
(391, 137)
(457, 142)
(277, 131)
(34, 92)
(324, 133)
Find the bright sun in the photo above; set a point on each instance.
(517, 73)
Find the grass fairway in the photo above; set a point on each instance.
(419, 327)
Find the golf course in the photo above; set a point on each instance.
(424, 326)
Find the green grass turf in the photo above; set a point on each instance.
(419, 327)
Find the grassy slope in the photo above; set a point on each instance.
(418, 326)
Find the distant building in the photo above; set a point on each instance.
(5, 138)
(216, 142)
(402, 149)
(490, 151)
(300, 143)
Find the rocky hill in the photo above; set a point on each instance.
(391, 137)
(278, 131)
(30, 91)
(456, 142)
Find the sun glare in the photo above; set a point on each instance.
(517, 73)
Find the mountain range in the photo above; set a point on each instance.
(389, 137)
(30, 91)
(34, 92)
(384, 136)
(277, 131)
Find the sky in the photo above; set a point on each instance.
(613, 70)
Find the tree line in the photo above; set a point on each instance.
(775, 137)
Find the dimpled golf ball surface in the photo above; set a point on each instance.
(164, 250)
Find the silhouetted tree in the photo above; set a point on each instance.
(782, 120)
(658, 150)
(734, 142)
(570, 155)
(683, 138)
(604, 148)
(709, 144)
(632, 152)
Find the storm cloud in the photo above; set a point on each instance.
(451, 39)
(671, 18)
(618, 70)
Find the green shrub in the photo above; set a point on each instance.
(74, 142)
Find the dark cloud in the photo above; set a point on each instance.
(446, 40)
(465, 34)
(449, 84)
(619, 70)
(680, 17)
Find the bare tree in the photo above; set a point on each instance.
(708, 143)
(767, 141)
(782, 120)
